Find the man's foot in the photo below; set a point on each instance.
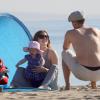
(93, 85)
(67, 87)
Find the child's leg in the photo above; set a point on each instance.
(93, 84)
(36, 84)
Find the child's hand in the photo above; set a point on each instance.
(17, 66)
(25, 49)
(6, 71)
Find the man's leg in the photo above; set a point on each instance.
(66, 73)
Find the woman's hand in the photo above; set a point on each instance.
(40, 69)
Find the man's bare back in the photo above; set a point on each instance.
(86, 43)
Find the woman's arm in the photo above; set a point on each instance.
(52, 74)
(53, 57)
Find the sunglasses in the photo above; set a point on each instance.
(43, 36)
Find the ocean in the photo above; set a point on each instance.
(56, 30)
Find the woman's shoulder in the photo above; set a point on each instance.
(52, 52)
(53, 56)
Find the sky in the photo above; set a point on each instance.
(51, 7)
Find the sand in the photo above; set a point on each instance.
(76, 93)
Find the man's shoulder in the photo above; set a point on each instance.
(70, 31)
(94, 29)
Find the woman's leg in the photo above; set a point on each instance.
(51, 78)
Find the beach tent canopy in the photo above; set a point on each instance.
(13, 37)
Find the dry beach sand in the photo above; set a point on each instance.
(76, 93)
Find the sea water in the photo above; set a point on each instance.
(56, 30)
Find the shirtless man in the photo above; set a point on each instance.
(86, 43)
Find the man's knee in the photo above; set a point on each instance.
(65, 55)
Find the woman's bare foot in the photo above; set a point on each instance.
(44, 87)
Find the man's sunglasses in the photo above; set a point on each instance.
(43, 36)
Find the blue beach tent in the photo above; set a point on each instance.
(13, 37)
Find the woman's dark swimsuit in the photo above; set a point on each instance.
(92, 68)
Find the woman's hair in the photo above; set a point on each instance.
(40, 32)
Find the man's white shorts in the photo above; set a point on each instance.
(78, 70)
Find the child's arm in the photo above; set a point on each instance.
(25, 49)
(21, 62)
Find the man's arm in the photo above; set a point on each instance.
(67, 42)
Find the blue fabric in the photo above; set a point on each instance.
(33, 63)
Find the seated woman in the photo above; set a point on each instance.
(50, 67)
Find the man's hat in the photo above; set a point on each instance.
(75, 16)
